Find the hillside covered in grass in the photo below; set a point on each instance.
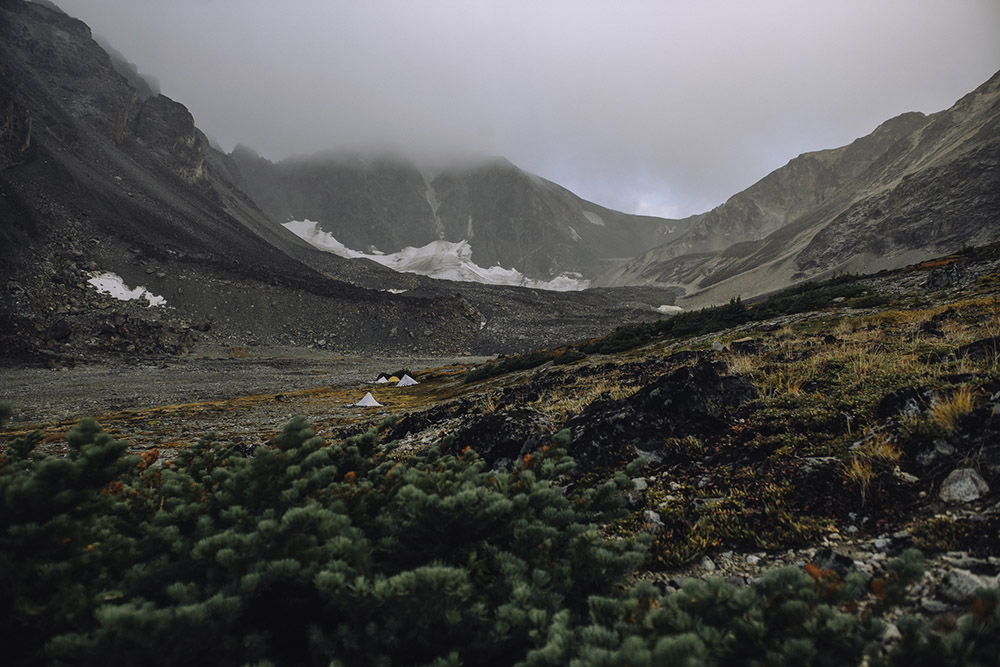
(807, 479)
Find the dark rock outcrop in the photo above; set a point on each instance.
(696, 401)
(504, 436)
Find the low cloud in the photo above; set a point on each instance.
(635, 105)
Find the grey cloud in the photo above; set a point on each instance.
(668, 107)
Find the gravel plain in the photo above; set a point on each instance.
(42, 396)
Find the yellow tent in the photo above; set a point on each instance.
(394, 379)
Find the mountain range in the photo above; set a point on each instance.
(917, 186)
(100, 174)
(510, 218)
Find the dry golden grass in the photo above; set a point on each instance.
(486, 404)
(845, 327)
(565, 403)
(877, 453)
(780, 383)
(785, 332)
(880, 448)
(861, 472)
(738, 364)
(946, 413)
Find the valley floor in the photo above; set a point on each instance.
(172, 400)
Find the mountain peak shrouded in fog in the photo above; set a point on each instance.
(656, 108)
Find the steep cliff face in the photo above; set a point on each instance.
(95, 178)
(915, 187)
(510, 218)
(941, 190)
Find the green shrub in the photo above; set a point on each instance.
(568, 357)
(309, 552)
(519, 362)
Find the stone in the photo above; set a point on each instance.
(941, 450)
(828, 559)
(963, 485)
(718, 347)
(959, 586)
(811, 465)
(747, 345)
(985, 349)
(639, 484)
(707, 564)
(932, 606)
(906, 402)
(944, 276)
(505, 435)
(653, 519)
(693, 400)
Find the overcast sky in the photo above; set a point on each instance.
(666, 108)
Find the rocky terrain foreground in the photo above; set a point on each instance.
(835, 425)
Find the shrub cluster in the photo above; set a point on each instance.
(353, 554)
(518, 362)
(304, 553)
(798, 299)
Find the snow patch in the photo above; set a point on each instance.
(438, 259)
(106, 282)
(572, 233)
(669, 310)
(594, 218)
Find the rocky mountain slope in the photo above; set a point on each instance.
(99, 176)
(916, 186)
(509, 217)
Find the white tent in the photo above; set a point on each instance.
(406, 381)
(368, 401)
(382, 380)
